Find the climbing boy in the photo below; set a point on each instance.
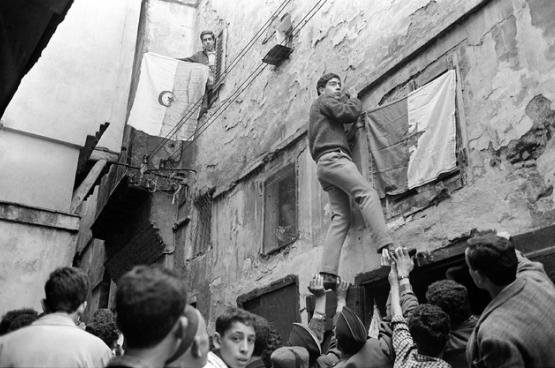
(338, 175)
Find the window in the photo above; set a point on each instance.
(221, 40)
(203, 224)
(278, 303)
(397, 200)
(280, 209)
(213, 94)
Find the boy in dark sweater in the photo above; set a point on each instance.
(338, 175)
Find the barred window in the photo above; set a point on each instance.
(221, 40)
(280, 210)
(203, 224)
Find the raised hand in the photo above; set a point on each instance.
(342, 289)
(404, 262)
(316, 286)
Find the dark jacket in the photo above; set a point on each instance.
(327, 118)
(200, 58)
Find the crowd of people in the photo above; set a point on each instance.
(159, 329)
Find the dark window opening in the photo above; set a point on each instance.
(203, 224)
(278, 303)
(280, 210)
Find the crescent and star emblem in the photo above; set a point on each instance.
(166, 98)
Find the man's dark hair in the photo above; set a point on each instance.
(429, 327)
(452, 297)
(66, 289)
(204, 33)
(11, 316)
(274, 343)
(103, 326)
(493, 256)
(22, 321)
(231, 315)
(149, 301)
(324, 80)
(262, 331)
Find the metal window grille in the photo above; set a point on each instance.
(280, 210)
(203, 224)
(220, 55)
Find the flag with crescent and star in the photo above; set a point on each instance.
(169, 93)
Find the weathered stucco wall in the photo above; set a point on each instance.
(506, 57)
(33, 242)
(83, 77)
(36, 172)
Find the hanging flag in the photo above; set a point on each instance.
(167, 91)
(413, 140)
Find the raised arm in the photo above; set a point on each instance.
(405, 265)
(344, 112)
(317, 323)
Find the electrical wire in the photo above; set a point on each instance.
(234, 95)
(226, 71)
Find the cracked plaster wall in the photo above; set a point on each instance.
(507, 59)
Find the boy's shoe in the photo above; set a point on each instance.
(330, 280)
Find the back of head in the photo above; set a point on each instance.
(274, 343)
(324, 80)
(350, 331)
(149, 301)
(231, 315)
(193, 349)
(494, 256)
(103, 326)
(262, 330)
(429, 328)
(66, 289)
(452, 298)
(11, 316)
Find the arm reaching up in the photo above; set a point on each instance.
(318, 321)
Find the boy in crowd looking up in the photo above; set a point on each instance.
(452, 298)
(419, 343)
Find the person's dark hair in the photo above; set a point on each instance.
(324, 80)
(22, 321)
(103, 326)
(452, 297)
(149, 301)
(231, 315)
(429, 327)
(274, 343)
(204, 33)
(262, 331)
(12, 315)
(493, 256)
(66, 289)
